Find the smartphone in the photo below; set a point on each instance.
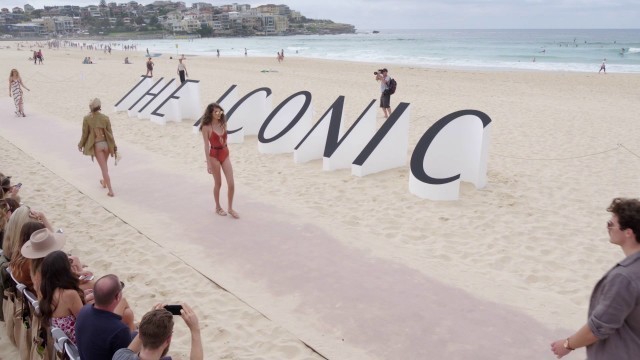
(86, 278)
(174, 309)
(18, 185)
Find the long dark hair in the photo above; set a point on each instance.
(56, 273)
(207, 117)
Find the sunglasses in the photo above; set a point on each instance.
(611, 225)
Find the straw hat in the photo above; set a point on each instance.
(41, 243)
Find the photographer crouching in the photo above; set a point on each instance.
(385, 96)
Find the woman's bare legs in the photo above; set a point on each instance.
(21, 108)
(102, 156)
(231, 187)
(124, 310)
(214, 164)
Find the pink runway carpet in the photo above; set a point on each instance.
(343, 302)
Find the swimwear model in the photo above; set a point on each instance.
(15, 90)
(97, 141)
(214, 135)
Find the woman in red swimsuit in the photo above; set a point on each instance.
(214, 135)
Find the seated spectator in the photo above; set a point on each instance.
(99, 331)
(12, 230)
(126, 60)
(154, 336)
(8, 190)
(7, 207)
(61, 297)
(41, 243)
(11, 204)
(21, 266)
(5, 212)
(85, 60)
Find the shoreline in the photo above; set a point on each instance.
(524, 57)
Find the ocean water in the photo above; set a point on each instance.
(552, 50)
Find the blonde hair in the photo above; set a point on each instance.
(14, 71)
(95, 105)
(11, 241)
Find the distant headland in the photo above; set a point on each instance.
(161, 19)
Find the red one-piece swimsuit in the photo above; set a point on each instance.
(219, 149)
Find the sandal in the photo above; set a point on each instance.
(221, 212)
(234, 214)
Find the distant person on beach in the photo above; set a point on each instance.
(613, 326)
(97, 141)
(35, 57)
(149, 68)
(182, 71)
(126, 60)
(385, 99)
(218, 52)
(39, 56)
(216, 152)
(147, 51)
(15, 91)
(245, 51)
(603, 67)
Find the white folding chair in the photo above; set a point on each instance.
(64, 347)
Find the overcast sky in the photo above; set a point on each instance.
(443, 14)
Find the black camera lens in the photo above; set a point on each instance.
(375, 73)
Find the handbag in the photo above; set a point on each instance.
(41, 341)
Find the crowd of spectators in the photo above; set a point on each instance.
(94, 315)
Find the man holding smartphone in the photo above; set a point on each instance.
(154, 334)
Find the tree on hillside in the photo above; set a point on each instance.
(103, 3)
(139, 20)
(205, 31)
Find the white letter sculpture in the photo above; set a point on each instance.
(183, 103)
(455, 148)
(327, 141)
(388, 147)
(286, 125)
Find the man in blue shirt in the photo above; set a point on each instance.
(99, 331)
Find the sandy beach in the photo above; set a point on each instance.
(356, 268)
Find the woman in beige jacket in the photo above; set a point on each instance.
(97, 140)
